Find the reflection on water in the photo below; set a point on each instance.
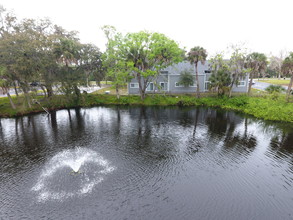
(170, 163)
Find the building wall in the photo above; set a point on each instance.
(241, 88)
(173, 75)
(182, 89)
(156, 85)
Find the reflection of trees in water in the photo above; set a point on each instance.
(25, 146)
(152, 136)
(74, 127)
(52, 119)
(1, 131)
(281, 149)
(144, 129)
(80, 119)
(223, 127)
(282, 145)
(246, 141)
(219, 122)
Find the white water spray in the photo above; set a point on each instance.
(75, 160)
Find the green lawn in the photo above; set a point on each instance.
(122, 91)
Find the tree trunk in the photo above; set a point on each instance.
(10, 100)
(249, 87)
(289, 87)
(27, 98)
(117, 92)
(15, 89)
(195, 122)
(141, 89)
(197, 82)
(49, 90)
(231, 86)
(76, 91)
(44, 90)
(87, 82)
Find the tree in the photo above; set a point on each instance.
(44, 43)
(91, 62)
(20, 56)
(275, 65)
(287, 69)
(186, 78)
(194, 56)
(67, 54)
(149, 53)
(220, 78)
(117, 68)
(236, 66)
(5, 84)
(256, 64)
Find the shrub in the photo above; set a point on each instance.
(275, 89)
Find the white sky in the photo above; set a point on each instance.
(262, 25)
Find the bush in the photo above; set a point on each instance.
(275, 89)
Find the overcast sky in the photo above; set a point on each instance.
(261, 25)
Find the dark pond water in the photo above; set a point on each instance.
(145, 163)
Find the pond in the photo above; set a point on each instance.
(145, 163)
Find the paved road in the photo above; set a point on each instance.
(260, 85)
(87, 89)
(263, 85)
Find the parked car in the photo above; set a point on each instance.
(34, 84)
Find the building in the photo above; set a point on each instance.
(168, 80)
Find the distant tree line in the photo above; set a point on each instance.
(38, 51)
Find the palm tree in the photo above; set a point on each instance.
(257, 63)
(194, 56)
(287, 69)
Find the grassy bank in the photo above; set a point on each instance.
(266, 107)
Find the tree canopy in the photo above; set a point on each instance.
(149, 53)
(287, 69)
(194, 56)
(256, 64)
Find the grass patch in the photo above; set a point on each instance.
(111, 89)
(270, 107)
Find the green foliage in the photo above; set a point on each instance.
(287, 69)
(117, 68)
(186, 78)
(220, 81)
(256, 64)
(260, 107)
(237, 67)
(149, 53)
(194, 56)
(275, 88)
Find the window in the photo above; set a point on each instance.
(150, 87)
(164, 72)
(164, 86)
(207, 71)
(206, 85)
(177, 84)
(134, 85)
(241, 83)
(192, 85)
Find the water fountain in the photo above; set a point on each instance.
(55, 181)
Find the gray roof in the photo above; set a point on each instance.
(185, 65)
